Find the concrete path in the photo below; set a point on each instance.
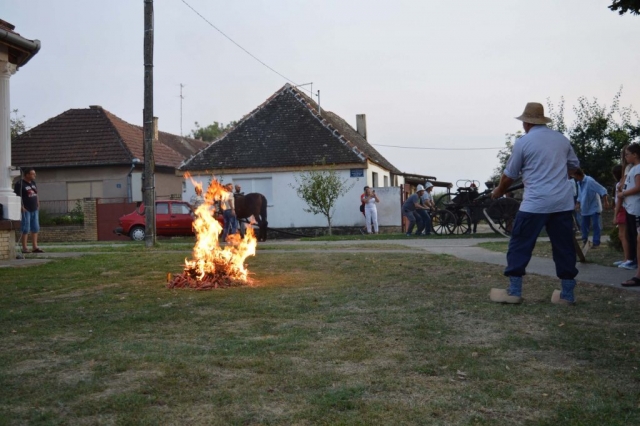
(466, 249)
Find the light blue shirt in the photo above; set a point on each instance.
(542, 157)
(588, 192)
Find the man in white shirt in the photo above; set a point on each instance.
(544, 158)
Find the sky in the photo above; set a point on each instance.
(427, 73)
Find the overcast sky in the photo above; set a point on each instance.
(428, 74)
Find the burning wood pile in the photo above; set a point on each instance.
(214, 266)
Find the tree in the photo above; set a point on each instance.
(624, 6)
(211, 132)
(17, 124)
(504, 154)
(320, 188)
(598, 133)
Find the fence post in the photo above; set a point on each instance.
(90, 219)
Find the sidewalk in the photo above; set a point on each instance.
(466, 249)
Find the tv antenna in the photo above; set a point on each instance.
(181, 98)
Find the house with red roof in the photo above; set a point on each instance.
(92, 153)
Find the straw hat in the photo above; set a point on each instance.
(420, 188)
(427, 185)
(534, 114)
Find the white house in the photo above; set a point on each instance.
(285, 136)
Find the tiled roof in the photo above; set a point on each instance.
(286, 131)
(86, 137)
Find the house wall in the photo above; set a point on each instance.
(100, 182)
(286, 209)
(374, 168)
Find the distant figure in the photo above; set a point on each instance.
(410, 208)
(240, 224)
(370, 199)
(544, 158)
(630, 195)
(589, 192)
(28, 192)
(228, 207)
(427, 201)
(197, 200)
(620, 221)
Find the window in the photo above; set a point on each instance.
(386, 181)
(179, 208)
(162, 208)
(374, 179)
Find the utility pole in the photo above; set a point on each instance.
(148, 185)
(181, 98)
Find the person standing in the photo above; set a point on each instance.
(620, 220)
(240, 225)
(630, 196)
(228, 207)
(197, 200)
(27, 190)
(370, 199)
(427, 201)
(589, 192)
(410, 208)
(544, 158)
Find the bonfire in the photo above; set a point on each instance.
(214, 266)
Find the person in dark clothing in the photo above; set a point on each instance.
(28, 192)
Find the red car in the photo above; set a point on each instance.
(172, 218)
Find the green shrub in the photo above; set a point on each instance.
(74, 217)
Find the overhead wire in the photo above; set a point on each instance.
(237, 44)
(438, 149)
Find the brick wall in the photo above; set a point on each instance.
(7, 245)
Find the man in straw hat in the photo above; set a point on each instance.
(544, 158)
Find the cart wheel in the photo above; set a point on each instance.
(463, 222)
(444, 200)
(443, 222)
(503, 212)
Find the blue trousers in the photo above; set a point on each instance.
(586, 224)
(426, 220)
(230, 224)
(526, 229)
(413, 217)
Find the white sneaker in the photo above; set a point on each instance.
(629, 264)
(619, 262)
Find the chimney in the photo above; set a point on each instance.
(361, 125)
(155, 128)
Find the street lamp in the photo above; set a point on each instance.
(129, 179)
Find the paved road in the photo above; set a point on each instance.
(466, 249)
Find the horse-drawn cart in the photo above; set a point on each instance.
(467, 206)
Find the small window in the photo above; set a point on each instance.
(374, 179)
(386, 181)
(162, 208)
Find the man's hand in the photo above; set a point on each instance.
(496, 193)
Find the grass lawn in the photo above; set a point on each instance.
(402, 236)
(320, 338)
(603, 255)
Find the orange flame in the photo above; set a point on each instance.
(208, 256)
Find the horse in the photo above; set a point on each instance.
(253, 204)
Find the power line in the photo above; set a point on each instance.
(437, 149)
(233, 41)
